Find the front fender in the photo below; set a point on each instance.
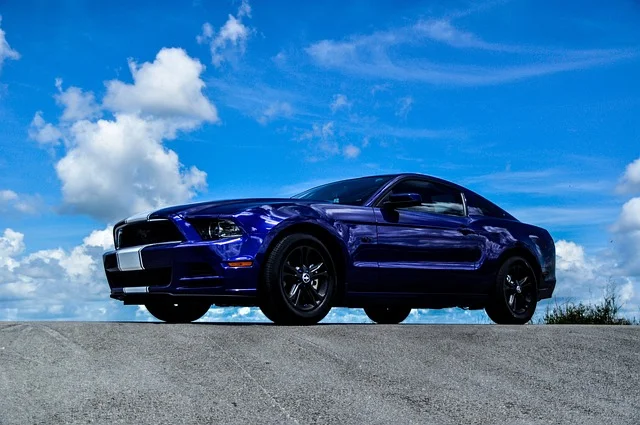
(335, 230)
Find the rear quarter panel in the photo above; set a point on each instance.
(504, 238)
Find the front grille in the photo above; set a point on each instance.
(149, 277)
(146, 233)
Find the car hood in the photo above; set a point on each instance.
(231, 206)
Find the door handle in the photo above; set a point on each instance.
(466, 231)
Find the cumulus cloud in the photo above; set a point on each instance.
(627, 236)
(116, 167)
(11, 245)
(43, 132)
(77, 104)
(340, 101)
(54, 283)
(6, 52)
(324, 143)
(232, 37)
(11, 201)
(630, 182)
(587, 278)
(170, 87)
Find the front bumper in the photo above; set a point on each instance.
(180, 269)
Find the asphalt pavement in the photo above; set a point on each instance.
(154, 373)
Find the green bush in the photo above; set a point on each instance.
(605, 313)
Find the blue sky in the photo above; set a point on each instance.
(533, 104)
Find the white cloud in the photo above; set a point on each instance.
(207, 33)
(100, 238)
(43, 132)
(322, 141)
(630, 182)
(376, 56)
(627, 236)
(404, 107)
(6, 52)
(275, 110)
(351, 151)
(11, 245)
(232, 37)
(116, 167)
(340, 101)
(77, 104)
(54, 283)
(11, 201)
(443, 31)
(170, 87)
(587, 278)
(8, 195)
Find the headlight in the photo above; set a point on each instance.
(211, 230)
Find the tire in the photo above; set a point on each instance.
(298, 282)
(387, 315)
(514, 298)
(171, 311)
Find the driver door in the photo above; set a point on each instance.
(428, 248)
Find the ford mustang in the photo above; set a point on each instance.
(387, 243)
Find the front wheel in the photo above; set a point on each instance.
(299, 281)
(387, 315)
(178, 311)
(514, 298)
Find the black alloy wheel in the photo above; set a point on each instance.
(515, 294)
(299, 281)
(180, 311)
(387, 315)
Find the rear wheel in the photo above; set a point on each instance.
(514, 299)
(178, 311)
(299, 281)
(387, 315)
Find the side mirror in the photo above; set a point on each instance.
(403, 200)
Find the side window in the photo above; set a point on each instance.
(436, 198)
(478, 206)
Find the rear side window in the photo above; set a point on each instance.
(436, 198)
(479, 206)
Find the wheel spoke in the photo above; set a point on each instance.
(290, 269)
(297, 301)
(304, 278)
(512, 300)
(314, 295)
(509, 281)
(295, 289)
(315, 268)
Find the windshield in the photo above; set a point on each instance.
(346, 192)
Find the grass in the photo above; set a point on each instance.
(604, 313)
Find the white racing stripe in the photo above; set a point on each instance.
(136, 290)
(139, 217)
(130, 258)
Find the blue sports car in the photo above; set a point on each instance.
(385, 243)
